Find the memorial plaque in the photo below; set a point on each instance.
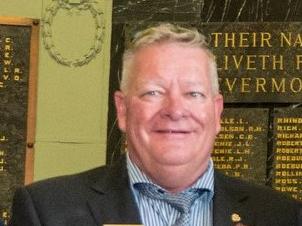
(241, 146)
(18, 68)
(258, 62)
(287, 149)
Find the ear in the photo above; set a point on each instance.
(121, 109)
(218, 99)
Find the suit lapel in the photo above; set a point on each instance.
(230, 203)
(111, 201)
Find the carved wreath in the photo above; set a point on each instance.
(70, 5)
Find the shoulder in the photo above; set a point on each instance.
(59, 187)
(51, 201)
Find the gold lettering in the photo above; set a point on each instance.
(289, 135)
(245, 85)
(5, 76)
(285, 38)
(289, 151)
(289, 158)
(243, 39)
(218, 158)
(289, 120)
(287, 128)
(265, 38)
(289, 40)
(278, 62)
(232, 128)
(289, 143)
(264, 60)
(216, 36)
(223, 143)
(298, 41)
(222, 151)
(286, 181)
(230, 86)
(229, 39)
(279, 87)
(237, 63)
(227, 121)
(260, 82)
(246, 137)
(223, 166)
(250, 62)
(298, 85)
(7, 62)
(7, 47)
(5, 70)
(298, 61)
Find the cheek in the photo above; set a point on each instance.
(138, 116)
(205, 116)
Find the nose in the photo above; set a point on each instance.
(174, 107)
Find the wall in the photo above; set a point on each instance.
(72, 101)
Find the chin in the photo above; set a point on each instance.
(175, 157)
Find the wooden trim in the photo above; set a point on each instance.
(17, 21)
(32, 101)
(32, 90)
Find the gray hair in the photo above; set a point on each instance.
(167, 32)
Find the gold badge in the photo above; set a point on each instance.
(235, 217)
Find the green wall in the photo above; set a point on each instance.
(72, 102)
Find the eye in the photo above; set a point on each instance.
(195, 94)
(152, 93)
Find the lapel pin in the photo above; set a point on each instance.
(235, 218)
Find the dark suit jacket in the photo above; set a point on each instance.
(103, 196)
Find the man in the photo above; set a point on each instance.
(169, 107)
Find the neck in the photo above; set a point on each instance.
(173, 178)
(177, 178)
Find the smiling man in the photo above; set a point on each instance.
(169, 107)
(169, 112)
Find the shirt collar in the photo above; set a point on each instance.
(205, 181)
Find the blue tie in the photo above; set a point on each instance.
(181, 201)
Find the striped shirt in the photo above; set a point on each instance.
(159, 213)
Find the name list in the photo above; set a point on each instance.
(287, 176)
(240, 148)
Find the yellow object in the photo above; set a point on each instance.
(235, 217)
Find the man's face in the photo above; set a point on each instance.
(170, 115)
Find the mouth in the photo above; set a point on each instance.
(173, 131)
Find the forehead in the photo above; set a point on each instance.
(170, 60)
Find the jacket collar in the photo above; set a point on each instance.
(112, 201)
